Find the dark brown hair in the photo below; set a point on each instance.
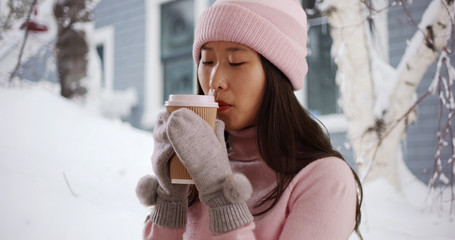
(289, 137)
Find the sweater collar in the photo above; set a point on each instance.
(243, 145)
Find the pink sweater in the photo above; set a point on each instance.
(318, 204)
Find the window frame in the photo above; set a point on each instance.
(105, 36)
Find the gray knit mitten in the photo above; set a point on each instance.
(204, 154)
(170, 200)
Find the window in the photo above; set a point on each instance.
(177, 26)
(100, 52)
(178, 75)
(322, 91)
(320, 95)
(104, 42)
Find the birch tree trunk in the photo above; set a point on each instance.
(354, 76)
(376, 138)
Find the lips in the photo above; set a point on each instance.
(222, 106)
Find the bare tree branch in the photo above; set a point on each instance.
(13, 74)
(69, 186)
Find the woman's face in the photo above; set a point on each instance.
(235, 73)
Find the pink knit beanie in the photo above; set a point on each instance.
(276, 29)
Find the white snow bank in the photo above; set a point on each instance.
(388, 214)
(66, 173)
(47, 141)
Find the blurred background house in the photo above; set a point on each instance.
(146, 47)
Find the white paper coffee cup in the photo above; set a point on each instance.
(206, 108)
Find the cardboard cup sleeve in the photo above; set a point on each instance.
(178, 172)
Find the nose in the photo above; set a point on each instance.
(218, 78)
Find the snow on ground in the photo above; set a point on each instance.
(389, 215)
(66, 173)
(50, 147)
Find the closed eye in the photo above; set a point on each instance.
(207, 62)
(236, 64)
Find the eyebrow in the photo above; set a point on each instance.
(231, 49)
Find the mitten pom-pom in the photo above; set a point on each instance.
(146, 190)
(237, 188)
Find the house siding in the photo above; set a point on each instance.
(128, 20)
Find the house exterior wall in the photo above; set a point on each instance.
(128, 21)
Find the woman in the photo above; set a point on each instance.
(269, 170)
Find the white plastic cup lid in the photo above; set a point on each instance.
(191, 100)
